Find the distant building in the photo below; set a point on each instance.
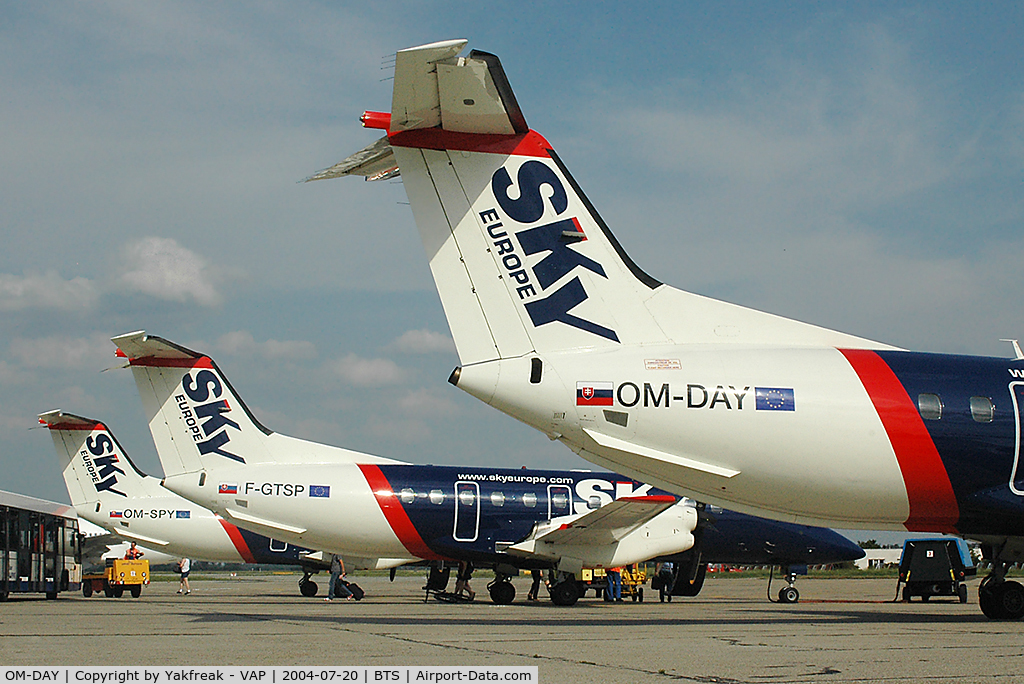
(879, 558)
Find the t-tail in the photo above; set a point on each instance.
(97, 470)
(524, 264)
(198, 421)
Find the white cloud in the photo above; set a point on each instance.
(242, 342)
(94, 352)
(423, 342)
(46, 291)
(162, 268)
(367, 372)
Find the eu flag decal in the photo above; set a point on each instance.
(594, 394)
(320, 491)
(774, 399)
(183, 514)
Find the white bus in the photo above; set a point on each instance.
(40, 550)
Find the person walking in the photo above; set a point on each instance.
(184, 566)
(336, 587)
(614, 584)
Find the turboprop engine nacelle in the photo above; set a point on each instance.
(669, 532)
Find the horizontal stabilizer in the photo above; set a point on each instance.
(375, 162)
(139, 345)
(58, 420)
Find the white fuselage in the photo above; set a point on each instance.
(685, 418)
(322, 506)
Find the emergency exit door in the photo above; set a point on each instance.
(467, 511)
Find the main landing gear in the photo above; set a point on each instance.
(1000, 598)
(501, 590)
(566, 591)
(307, 587)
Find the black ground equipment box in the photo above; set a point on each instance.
(935, 567)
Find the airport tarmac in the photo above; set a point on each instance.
(841, 631)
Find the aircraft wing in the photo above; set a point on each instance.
(610, 523)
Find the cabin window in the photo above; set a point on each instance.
(930, 406)
(982, 409)
(559, 501)
(594, 502)
(497, 499)
(407, 496)
(467, 497)
(436, 496)
(530, 500)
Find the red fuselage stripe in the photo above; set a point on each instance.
(933, 506)
(238, 541)
(395, 514)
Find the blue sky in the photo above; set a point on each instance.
(855, 165)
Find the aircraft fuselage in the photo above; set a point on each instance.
(856, 438)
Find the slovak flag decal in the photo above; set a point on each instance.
(227, 488)
(594, 394)
(116, 514)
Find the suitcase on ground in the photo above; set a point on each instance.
(357, 591)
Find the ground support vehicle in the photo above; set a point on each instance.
(633, 579)
(935, 567)
(116, 577)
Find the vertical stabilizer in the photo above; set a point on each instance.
(96, 468)
(199, 422)
(522, 260)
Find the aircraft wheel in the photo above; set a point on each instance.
(962, 593)
(87, 589)
(565, 593)
(308, 588)
(136, 590)
(502, 593)
(118, 591)
(1001, 601)
(1010, 596)
(788, 595)
(987, 601)
(51, 595)
(685, 587)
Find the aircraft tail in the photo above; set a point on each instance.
(97, 470)
(199, 422)
(521, 259)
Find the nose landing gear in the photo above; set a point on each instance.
(788, 593)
